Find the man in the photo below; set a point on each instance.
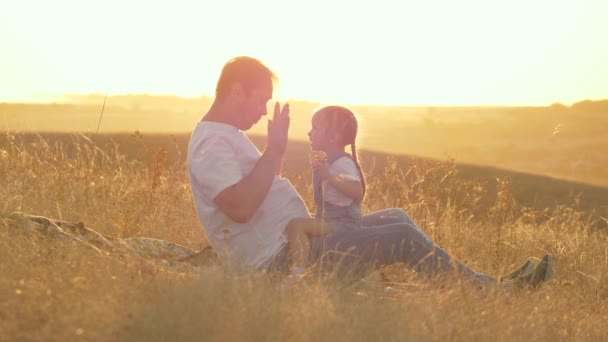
(245, 206)
(242, 202)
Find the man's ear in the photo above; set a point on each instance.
(237, 92)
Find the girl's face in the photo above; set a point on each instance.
(319, 135)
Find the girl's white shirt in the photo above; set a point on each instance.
(343, 168)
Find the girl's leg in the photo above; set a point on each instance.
(299, 245)
(299, 232)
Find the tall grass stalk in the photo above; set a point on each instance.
(102, 109)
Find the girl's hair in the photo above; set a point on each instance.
(343, 121)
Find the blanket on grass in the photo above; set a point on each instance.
(171, 255)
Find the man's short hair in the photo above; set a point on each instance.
(247, 71)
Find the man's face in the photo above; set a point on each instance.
(253, 105)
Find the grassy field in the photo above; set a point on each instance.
(136, 185)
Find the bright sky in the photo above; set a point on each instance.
(357, 52)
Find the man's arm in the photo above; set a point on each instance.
(241, 200)
(279, 166)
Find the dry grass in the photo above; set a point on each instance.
(59, 291)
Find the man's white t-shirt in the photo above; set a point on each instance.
(220, 155)
(346, 169)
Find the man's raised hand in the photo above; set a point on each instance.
(278, 128)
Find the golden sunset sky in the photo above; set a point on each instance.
(477, 52)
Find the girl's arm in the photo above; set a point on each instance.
(350, 188)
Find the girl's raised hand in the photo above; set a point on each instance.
(321, 165)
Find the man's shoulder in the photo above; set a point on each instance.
(212, 129)
(206, 133)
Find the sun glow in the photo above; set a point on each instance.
(381, 52)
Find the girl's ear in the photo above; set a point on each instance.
(336, 138)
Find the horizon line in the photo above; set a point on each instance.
(45, 98)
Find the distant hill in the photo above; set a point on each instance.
(560, 141)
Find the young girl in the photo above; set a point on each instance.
(338, 183)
